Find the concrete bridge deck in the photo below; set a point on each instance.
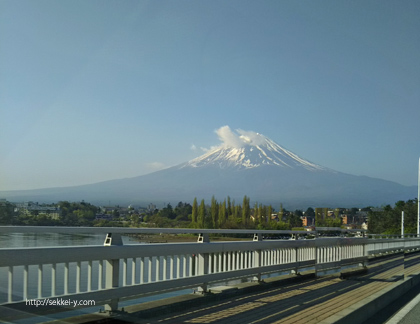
(304, 299)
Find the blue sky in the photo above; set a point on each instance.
(99, 90)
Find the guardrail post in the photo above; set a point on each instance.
(296, 270)
(365, 254)
(203, 262)
(258, 257)
(112, 270)
(317, 251)
(203, 238)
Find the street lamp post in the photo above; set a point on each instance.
(402, 224)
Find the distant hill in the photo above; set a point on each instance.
(254, 166)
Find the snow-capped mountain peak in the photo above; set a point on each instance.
(250, 150)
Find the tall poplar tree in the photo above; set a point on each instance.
(269, 212)
(229, 207)
(281, 212)
(267, 215)
(245, 211)
(201, 214)
(235, 214)
(194, 212)
(256, 215)
(222, 213)
(214, 212)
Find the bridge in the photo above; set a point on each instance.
(114, 272)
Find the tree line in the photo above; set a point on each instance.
(227, 214)
(71, 214)
(224, 214)
(387, 220)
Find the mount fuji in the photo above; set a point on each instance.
(253, 153)
(246, 163)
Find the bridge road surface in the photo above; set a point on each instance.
(315, 300)
(410, 314)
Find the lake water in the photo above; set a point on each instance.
(15, 240)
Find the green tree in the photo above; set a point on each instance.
(256, 214)
(6, 213)
(246, 211)
(390, 221)
(201, 214)
(222, 214)
(269, 213)
(387, 220)
(410, 210)
(261, 214)
(182, 211)
(194, 212)
(298, 212)
(281, 212)
(167, 212)
(214, 210)
(310, 212)
(321, 215)
(237, 212)
(294, 220)
(229, 207)
(77, 213)
(337, 212)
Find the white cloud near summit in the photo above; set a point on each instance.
(240, 138)
(251, 138)
(228, 138)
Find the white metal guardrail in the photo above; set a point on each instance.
(115, 272)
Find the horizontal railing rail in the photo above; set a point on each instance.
(132, 230)
(114, 271)
(387, 245)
